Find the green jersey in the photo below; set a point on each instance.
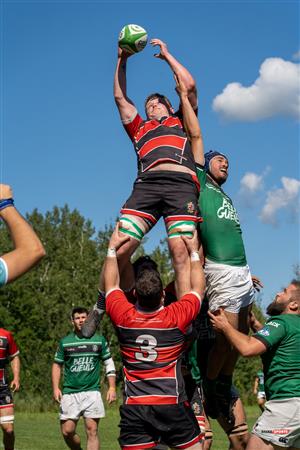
(221, 234)
(261, 381)
(81, 359)
(281, 361)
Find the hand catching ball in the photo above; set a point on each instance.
(133, 38)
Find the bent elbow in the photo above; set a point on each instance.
(38, 252)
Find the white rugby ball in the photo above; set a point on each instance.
(133, 38)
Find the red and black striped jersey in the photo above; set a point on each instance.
(8, 349)
(152, 345)
(161, 141)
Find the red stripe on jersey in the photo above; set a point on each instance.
(163, 354)
(163, 372)
(162, 141)
(152, 400)
(134, 212)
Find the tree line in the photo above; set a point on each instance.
(37, 307)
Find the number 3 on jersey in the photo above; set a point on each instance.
(147, 344)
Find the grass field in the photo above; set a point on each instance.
(40, 431)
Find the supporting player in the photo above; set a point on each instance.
(28, 249)
(278, 344)
(152, 339)
(166, 170)
(8, 352)
(81, 359)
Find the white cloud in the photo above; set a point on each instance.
(275, 92)
(277, 199)
(250, 185)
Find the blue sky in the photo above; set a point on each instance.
(62, 140)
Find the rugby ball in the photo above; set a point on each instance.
(133, 38)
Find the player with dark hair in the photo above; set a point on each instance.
(152, 340)
(81, 359)
(278, 343)
(166, 185)
(9, 353)
(28, 249)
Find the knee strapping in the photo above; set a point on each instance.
(237, 430)
(128, 225)
(7, 419)
(180, 228)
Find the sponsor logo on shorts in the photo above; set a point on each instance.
(283, 440)
(277, 431)
(190, 207)
(281, 431)
(7, 399)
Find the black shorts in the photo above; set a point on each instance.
(6, 398)
(194, 395)
(143, 426)
(163, 194)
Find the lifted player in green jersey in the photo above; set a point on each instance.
(81, 358)
(278, 343)
(228, 278)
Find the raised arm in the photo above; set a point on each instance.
(190, 121)
(178, 69)
(197, 273)
(28, 249)
(125, 106)
(111, 269)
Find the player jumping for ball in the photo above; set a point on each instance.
(165, 186)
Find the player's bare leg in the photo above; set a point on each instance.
(238, 434)
(7, 425)
(91, 428)
(255, 443)
(8, 436)
(72, 439)
(181, 264)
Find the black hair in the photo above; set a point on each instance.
(78, 310)
(142, 263)
(162, 99)
(149, 289)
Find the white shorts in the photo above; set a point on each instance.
(230, 287)
(279, 424)
(87, 404)
(261, 394)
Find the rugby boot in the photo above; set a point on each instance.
(95, 316)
